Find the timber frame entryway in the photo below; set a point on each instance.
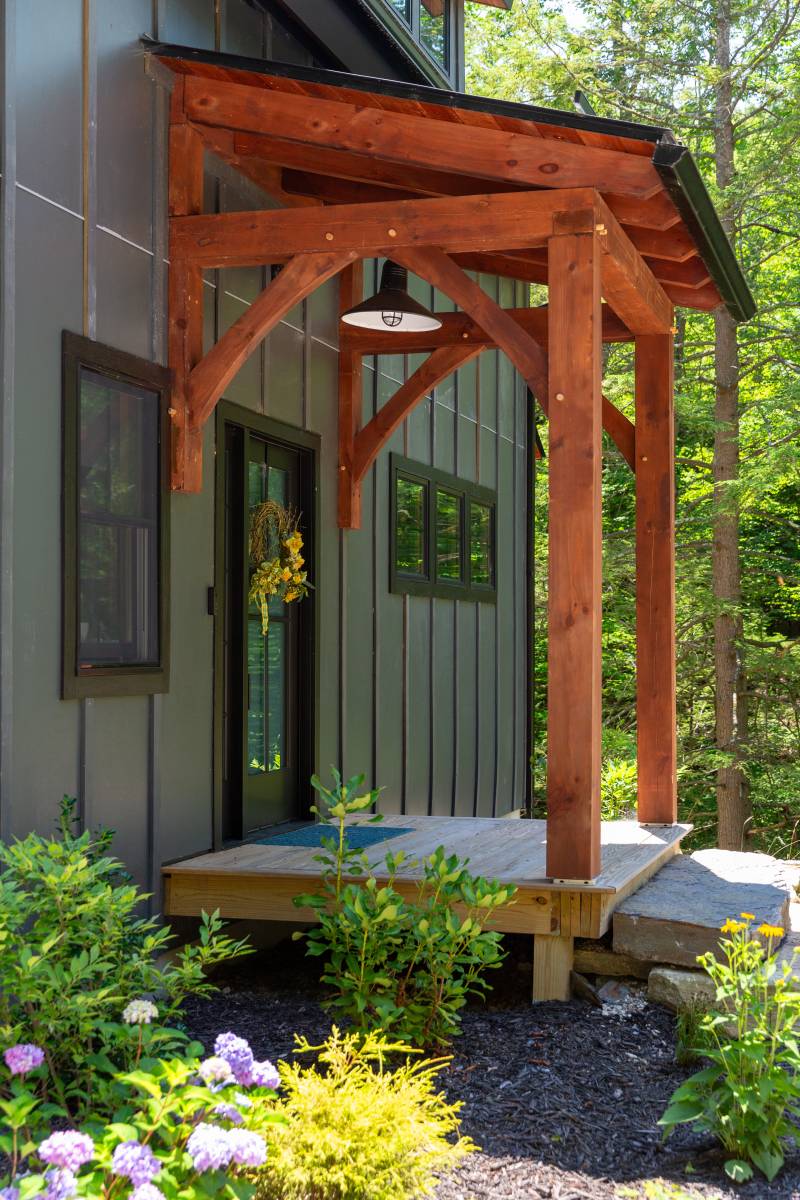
(613, 217)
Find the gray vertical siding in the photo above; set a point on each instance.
(426, 697)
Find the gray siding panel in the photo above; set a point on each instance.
(116, 774)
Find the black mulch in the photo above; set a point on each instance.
(563, 1099)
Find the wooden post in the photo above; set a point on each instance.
(552, 963)
(185, 298)
(351, 291)
(574, 607)
(655, 581)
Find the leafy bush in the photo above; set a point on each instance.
(184, 1128)
(749, 1096)
(618, 789)
(74, 953)
(357, 1131)
(396, 964)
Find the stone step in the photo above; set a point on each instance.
(678, 913)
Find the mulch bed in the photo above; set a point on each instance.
(563, 1099)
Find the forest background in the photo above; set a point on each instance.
(725, 77)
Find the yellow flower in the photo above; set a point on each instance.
(732, 926)
(286, 573)
(771, 931)
(290, 596)
(748, 916)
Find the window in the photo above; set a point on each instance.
(429, 22)
(442, 534)
(115, 543)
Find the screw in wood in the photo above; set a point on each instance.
(601, 229)
(328, 237)
(559, 395)
(172, 412)
(392, 232)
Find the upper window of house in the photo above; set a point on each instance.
(429, 21)
(442, 534)
(115, 514)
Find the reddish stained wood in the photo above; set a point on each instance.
(452, 222)
(655, 581)
(441, 363)
(627, 282)
(419, 140)
(300, 277)
(351, 291)
(575, 576)
(185, 305)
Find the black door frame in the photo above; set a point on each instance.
(228, 413)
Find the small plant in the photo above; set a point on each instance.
(749, 1096)
(688, 1034)
(184, 1128)
(618, 789)
(74, 954)
(396, 964)
(357, 1131)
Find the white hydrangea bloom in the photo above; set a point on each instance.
(139, 1012)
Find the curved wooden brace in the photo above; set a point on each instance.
(439, 364)
(301, 275)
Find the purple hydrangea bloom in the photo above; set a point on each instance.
(263, 1074)
(249, 1149)
(229, 1112)
(216, 1071)
(68, 1149)
(61, 1184)
(135, 1161)
(237, 1053)
(209, 1147)
(23, 1058)
(147, 1191)
(9, 1193)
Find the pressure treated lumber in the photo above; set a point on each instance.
(419, 140)
(655, 581)
(552, 964)
(574, 602)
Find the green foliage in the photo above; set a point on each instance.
(358, 1131)
(74, 952)
(749, 1095)
(402, 965)
(618, 789)
(159, 1108)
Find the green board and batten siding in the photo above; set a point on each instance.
(426, 696)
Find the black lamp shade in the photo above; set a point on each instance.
(391, 307)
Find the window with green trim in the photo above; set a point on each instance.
(115, 522)
(442, 534)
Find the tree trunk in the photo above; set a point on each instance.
(733, 804)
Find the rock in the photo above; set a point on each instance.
(583, 989)
(614, 992)
(594, 958)
(678, 989)
(677, 915)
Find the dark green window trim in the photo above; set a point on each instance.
(431, 583)
(112, 680)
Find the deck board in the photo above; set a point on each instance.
(260, 881)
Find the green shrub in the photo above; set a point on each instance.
(74, 953)
(749, 1095)
(358, 1131)
(618, 789)
(401, 965)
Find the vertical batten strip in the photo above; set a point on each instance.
(8, 185)
(655, 581)
(574, 701)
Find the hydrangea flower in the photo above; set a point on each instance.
(139, 1012)
(237, 1053)
(229, 1112)
(61, 1184)
(135, 1161)
(147, 1191)
(216, 1070)
(23, 1058)
(209, 1147)
(264, 1074)
(9, 1193)
(68, 1149)
(248, 1149)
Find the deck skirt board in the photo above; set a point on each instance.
(259, 880)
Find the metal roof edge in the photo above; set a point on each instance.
(689, 194)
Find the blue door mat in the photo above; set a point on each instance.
(358, 836)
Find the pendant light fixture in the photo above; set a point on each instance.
(391, 307)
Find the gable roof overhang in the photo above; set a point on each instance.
(649, 181)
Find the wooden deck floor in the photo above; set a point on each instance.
(260, 881)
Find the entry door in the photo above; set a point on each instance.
(263, 724)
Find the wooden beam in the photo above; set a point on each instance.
(628, 284)
(655, 581)
(185, 302)
(575, 547)
(553, 955)
(300, 277)
(463, 223)
(351, 292)
(419, 140)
